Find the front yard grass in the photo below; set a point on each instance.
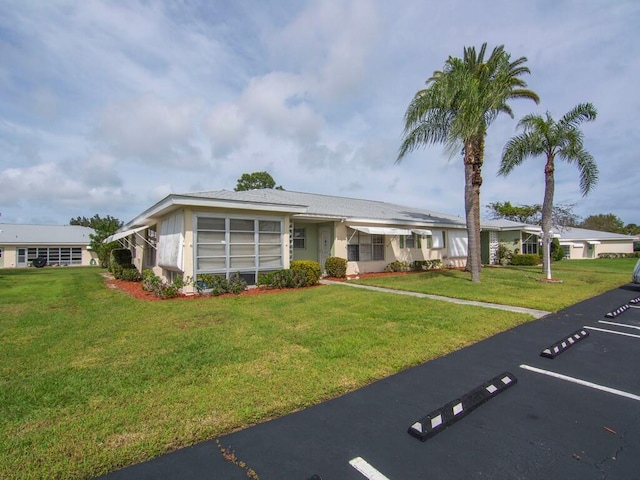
(519, 286)
(92, 380)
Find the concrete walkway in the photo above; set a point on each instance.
(529, 311)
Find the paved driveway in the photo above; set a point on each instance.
(542, 427)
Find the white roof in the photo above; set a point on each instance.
(304, 206)
(17, 234)
(568, 234)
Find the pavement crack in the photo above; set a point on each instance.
(601, 465)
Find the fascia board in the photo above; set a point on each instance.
(174, 201)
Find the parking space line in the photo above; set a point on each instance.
(612, 331)
(582, 382)
(619, 324)
(366, 469)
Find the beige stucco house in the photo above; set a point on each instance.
(58, 245)
(251, 232)
(578, 243)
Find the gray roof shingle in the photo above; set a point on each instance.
(338, 207)
(17, 234)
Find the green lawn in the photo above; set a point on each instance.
(520, 286)
(92, 380)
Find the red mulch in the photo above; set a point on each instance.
(135, 290)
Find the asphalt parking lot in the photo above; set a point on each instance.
(573, 416)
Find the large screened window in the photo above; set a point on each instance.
(362, 247)
(246, 246)
(53, 255)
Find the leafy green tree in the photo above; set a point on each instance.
(562, 215)
(604, 223)
(543, 136)
(456, 109)
(517, 213)
(256, 180)
(632, 229)
(103, 227)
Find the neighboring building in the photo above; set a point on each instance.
(255, 231)
(60, 245)
(577, 243)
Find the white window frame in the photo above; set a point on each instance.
(299, 235)
(371, 251)
(245, 271)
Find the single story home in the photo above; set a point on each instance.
(251, 232)
(577, 243)
(58, 245)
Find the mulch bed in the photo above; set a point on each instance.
(135, 290)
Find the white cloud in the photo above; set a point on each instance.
(150, 130)
(131, 101)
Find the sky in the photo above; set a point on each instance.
(106, 107)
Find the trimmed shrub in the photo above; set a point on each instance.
(152, 283)
(528, 259)
(426, 264)
(128, 273)
(218, 284)
(397, 266)
(119, 257)
(236, 284)
(284, 279)
(504, 255)
(619, 255)
(311, 268)
(336, 267)
(557, 252)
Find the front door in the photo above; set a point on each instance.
(324, 245)
(22, 257)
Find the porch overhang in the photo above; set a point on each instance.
(381, 230)
(120, 235)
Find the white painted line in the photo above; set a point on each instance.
(618, 324)
(582, 382)
(361, 465)
(613, 331)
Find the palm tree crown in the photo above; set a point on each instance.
(562, 139)
(455, 109)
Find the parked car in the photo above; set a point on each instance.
(636, 273)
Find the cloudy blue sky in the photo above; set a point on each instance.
(108, 106)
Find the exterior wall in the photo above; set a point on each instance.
(393, 252)
(10, 254)
(613, 247)
(511, 240)
(592, 251)
(310, 251)
(189, 240)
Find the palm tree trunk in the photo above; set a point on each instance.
(547, 212)
(472, 183)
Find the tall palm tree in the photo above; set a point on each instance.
(562, 140)
(455, 109)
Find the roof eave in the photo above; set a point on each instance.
(171, 202)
